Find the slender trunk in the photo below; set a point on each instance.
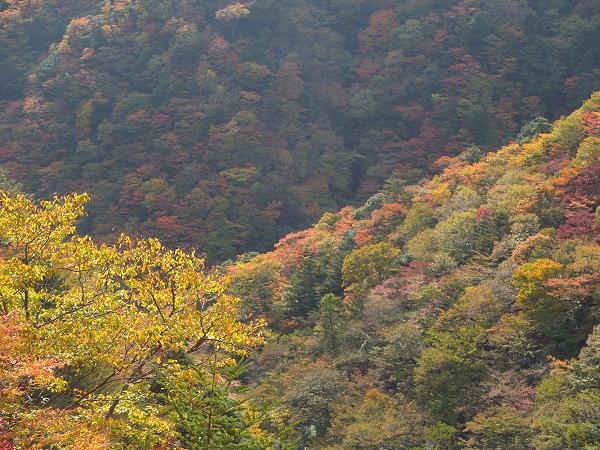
(130, 380)
(210, 413)
(26, 293)
(26, 304)
(115, 402)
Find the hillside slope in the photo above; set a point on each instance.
(225, 126)
(460, 312)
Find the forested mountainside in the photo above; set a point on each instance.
(224, 126)
(461, 312)
(27, 29)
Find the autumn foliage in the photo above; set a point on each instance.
(86, 329)
(222, 126)
(468, 302)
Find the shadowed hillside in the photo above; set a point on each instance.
(225, 126)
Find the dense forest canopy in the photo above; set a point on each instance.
(462, 312)
(440, 157)
(224, 126)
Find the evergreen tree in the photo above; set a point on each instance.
(208, 416)
(330, 309)
(532, 129)
(301, 296)
(332, 282)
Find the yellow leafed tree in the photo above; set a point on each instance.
(84, 328)
(232, 12)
